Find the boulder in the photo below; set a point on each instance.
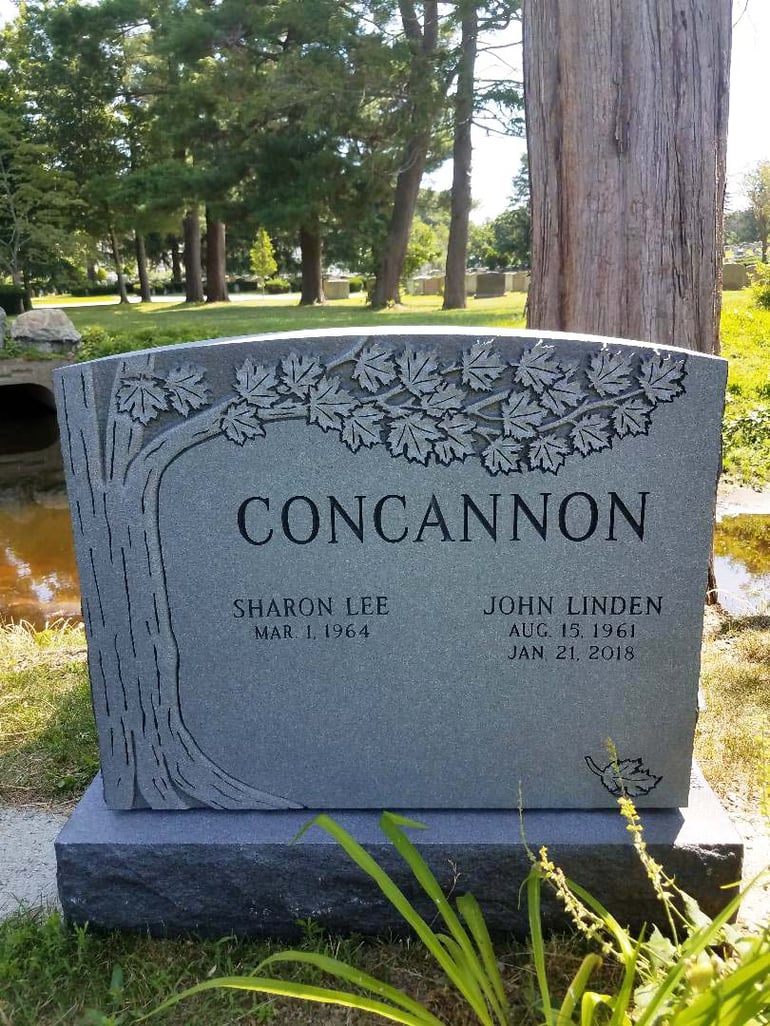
(50, 331)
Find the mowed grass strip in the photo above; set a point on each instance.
(48, 750)
(52, 974)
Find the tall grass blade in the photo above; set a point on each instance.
(536, 939)
(589, 1005)
(576, 988)
(471, 912)
(351, 975)
(407, 911)
(305, 992)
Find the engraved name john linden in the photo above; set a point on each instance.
(394, 568)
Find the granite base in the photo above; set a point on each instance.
(216, 873)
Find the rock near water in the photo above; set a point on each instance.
(50, 331)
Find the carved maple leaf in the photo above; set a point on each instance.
(661, 378)
(632, 417)
(548, 454)
(564, 392)
(142, 397)
(538, 368)
(412, 434)
(628, 777)
(481, 366)
(362, 427)
(299, 373)
(502, 456)
(446, 398)
(610, 373)
(521, 415)
(591, 433)
(186, 388)
(418, 371)
(374, 367)
(328, 404)
(240, 422)
(256, 384)
(458, 440)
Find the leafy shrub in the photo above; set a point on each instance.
(107, 288)
(277, 286)
(760, 285)
(12, 299)
(357, 283)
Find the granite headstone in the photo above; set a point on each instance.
(409, 569)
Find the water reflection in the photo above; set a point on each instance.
(742, 563)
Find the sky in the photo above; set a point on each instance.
(496, 158)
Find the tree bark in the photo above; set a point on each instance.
(117, 259)
(312, 270)
(627, 130)
(216, 279)
(193, 284)
(141, 266)
(424, 42)
(462, 154)
(626, 123)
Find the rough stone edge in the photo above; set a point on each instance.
(215, 873)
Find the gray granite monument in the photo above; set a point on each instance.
(392, 569)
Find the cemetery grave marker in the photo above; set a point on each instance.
(394, 568)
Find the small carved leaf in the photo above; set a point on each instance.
(521, 415)
(628, 777)
(632, 417)
(329, 404)
(562, 394)
(373, 368)
(186, 388)
(447, 398)
(240, 422)
(610, 373)
(299, 373)
(661, 378)
(590, 433)
(362, 427)
(256, 383)
(481, 366)
(412, 434)
(142, 397)
(502, 456)
(418, 371)
(548, 454)
(459, 438)
(537, 368)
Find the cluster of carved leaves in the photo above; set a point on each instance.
(532, 412)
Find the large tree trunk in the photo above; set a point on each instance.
(216, 274)
(627, 128)
(424, 42)
(141, 267)
(176, 260)
(193, 283)
(312, 268)
(626, 122)
(457, 250)
(148, 755)
(118, 261)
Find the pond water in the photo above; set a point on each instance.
(39, 582)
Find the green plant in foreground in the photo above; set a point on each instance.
(706, 972)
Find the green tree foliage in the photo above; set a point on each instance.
(261, 256)
(757, 185)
